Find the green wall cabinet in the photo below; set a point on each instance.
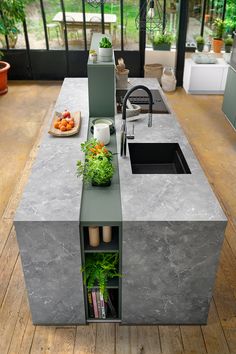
(229, 103)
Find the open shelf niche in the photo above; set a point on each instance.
(96, 309)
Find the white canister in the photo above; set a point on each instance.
(102, 133)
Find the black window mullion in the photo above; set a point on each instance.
(122, 24)
(164, 16)
(44, 24)
(224, 9)
(27, 47)
(102, 16)
(84, 25)
(142, 34)
(203, 17)
(65, 35)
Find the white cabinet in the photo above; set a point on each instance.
(205, 78)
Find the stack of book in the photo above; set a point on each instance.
(98, 308)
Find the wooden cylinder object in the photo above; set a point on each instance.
(106, 233)
(94, 239)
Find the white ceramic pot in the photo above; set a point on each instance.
(102, 133)
(105, 54)
(122, 79)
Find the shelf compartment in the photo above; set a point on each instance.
(111, 307)
(112, 246)
(111, 284)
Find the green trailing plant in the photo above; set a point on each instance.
(97, 167)
(162, 38)
(105, 43)
(219, 28)
(228, 41)
(99, 268)
(200, 40)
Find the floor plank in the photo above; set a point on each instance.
(193, 341)
(171, 341)
(226, 308)
(7, 260)
(85, 339)
(43, 340)
(213, 334)
(105, 339)
(20, 327)
(27, 340)
(5, 228)
(64, 340)
(144, 340)
(10, 307)
(123, 339)
(228, 263)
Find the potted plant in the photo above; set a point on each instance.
(228, 41)
(4, 67)
(200, 43)
(219, 28)
(105, 50)
(162, 41)
(11, 12)
(97, 167)
(99, 268)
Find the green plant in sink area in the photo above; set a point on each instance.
(99, 268)
(97, 167)
(162, 41)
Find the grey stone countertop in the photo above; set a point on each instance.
(53, 192)
(149, 197)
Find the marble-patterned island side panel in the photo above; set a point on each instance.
(51, 259)
(169, 271)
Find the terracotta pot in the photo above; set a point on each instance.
(4, 67)
(94, 239)
(217, 45)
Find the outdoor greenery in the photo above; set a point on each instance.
(99, 268)
(97, 167)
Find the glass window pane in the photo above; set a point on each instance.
(35, 26)
(20, 42)
(131, 33)
(194, 21)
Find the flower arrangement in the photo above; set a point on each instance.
(97, 167)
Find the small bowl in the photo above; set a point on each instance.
(103, 121)
(133, 112)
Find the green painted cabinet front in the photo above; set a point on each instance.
(229, 103)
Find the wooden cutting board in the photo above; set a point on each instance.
(57, 132)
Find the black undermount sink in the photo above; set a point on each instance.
(140, 98)
(157, 158)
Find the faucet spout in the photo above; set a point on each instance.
(123, 127)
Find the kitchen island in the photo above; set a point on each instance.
(172, 228)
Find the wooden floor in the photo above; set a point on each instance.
(213, 141)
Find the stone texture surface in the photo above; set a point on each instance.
(51, 259)
(169, 271)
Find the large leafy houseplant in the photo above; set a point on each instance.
(218, 32)
(99, 268)
(97, 167)
(11, 13)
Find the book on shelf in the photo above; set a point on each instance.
(90, 304)
(99, 303)
(95, 307)
(103, 311)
